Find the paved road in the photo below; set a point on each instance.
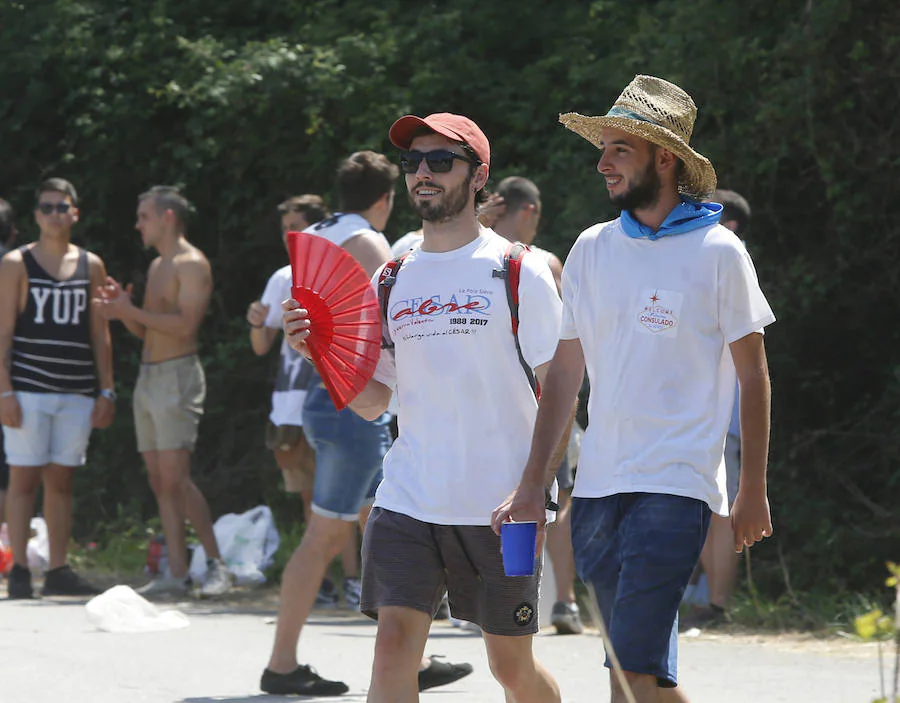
(50, 653)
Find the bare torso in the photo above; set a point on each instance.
(167, 281)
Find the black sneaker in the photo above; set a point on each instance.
(327, 597)
(441, 673)
(19, 584)
(302, 681)
(62, 581)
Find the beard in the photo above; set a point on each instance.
(643, 192)
(452, 202)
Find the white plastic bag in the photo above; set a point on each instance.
(247, 542)
(38, 546)
(122, 610)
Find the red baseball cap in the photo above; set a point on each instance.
(455, 127)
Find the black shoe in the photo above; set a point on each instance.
(441, 673)
(19, 584)
(62, 581)
(302, 681)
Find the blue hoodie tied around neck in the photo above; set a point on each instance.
(686, 216)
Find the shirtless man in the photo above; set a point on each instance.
(179, 285)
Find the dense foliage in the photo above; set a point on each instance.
(245, 103)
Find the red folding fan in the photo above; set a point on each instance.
(345, 319)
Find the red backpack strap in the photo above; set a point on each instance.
(385, 282)
(512, 267)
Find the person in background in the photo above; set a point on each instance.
(718, 559)
(518, 222)
(7, 238)
(56, 381)
(284, 429)
(171, 385)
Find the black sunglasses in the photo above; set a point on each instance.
(439, 160)
(48, 208)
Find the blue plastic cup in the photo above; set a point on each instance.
(518, 542)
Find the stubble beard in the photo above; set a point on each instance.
(452, 203)
(643, 193)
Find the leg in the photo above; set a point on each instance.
(513, 664)
(399, 645)
(168, 475)
(322, 541)
(720, 561)
(559, 545)
(23, 485)
(350, 555)
(58, 482)
(196, 509)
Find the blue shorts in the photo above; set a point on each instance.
(349, 455)
(637, 551)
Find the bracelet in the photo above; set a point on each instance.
(255, 327)
(7, 394)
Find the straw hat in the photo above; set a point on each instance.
(661, 113)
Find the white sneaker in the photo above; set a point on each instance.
(166, 586)
(218, 579)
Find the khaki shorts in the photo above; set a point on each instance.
(294, 456)
(168, 403)
(409, 563)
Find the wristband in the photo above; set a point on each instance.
(548, 502)
(7, 394)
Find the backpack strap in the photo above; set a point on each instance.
(385, 282)
(512, 269)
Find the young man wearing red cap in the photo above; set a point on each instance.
(466, 409)
(662, 306)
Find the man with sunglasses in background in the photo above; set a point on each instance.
(56, 355)
(467, 409)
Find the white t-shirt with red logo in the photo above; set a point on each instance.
(655, 319)
(467, 411)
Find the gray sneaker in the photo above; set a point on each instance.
(166, 586)
(218, 579)
(566, 618)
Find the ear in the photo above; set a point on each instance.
(480, 178)
(665, 160)
(75, 213)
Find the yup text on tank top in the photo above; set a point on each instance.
(51, 351)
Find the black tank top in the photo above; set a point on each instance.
(51, 351)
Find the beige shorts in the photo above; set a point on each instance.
(294, 456)
(168, 403)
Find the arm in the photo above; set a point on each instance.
(111, 300)
(261, 337)
(194, 291)
(372, 402)
(101, 344)
(556, 269)
(559, 393)
(11, 269)
(750, 515)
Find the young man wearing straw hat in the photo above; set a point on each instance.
(656, 304)
(466, 410)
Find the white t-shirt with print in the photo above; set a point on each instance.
(294, 372)
(655, 319)
(467, 410)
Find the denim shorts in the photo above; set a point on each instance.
(55, 429)
(637, 551)
(349, 455)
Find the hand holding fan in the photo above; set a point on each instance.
(345, 319)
